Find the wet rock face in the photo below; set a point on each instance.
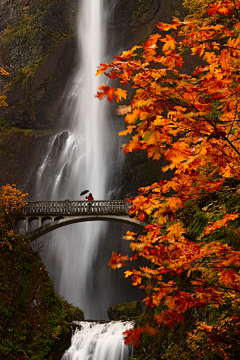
(125, 311)
(37, 48)
(11, 12)
(37, 103)
(135, 14)
(134, 20)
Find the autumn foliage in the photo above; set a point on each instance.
(11, 199)
(191, 118)
(3, 97)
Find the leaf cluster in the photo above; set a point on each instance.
(192, 121)
(34, 320)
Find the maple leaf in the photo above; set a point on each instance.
(151, 42)
(2, 100)
(132, 336)
(154, 152)
(129, 236)
(102, 69)
(127, 131)
(110, 94)
(175, 231)
(119, 94)
(165, 27)
(127, 54)
(116, 261)
(170, 43)
(106, 91)
(128, 273)
(174, 25)
(136, 280)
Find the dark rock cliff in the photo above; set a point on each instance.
(38, 48)
(134, 20)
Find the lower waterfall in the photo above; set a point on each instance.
(99, 341)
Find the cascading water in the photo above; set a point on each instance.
(95, 341)
(76, 160)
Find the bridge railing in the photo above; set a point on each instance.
(43, 207)
(68, 207)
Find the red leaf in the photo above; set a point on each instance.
(132, 336)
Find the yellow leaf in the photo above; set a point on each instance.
(175, 232)
(120, 93)
(170, 43)
(128, 273)
(127, 131)
(3, 72)
(2, 101)
(154, 152)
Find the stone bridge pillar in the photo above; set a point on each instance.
(27, 229)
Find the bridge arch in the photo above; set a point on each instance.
(33, 235)
(67, 212)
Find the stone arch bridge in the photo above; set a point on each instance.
(55, 214)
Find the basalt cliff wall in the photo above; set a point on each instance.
(38, 49)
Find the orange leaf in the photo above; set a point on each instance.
(151, 42)
(132, 336)
(120, 93)
(111, 93)
(154, 152)
(170, 43)
(220, 223)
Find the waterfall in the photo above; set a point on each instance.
(79, 158)
(76, 159)
(95, 341)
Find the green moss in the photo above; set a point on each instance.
(23, 32)
(35, 323)
(142, 8)
(25, 76)
(6, 130)
(125, 311)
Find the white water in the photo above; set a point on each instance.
(99, 342)
(75, 160)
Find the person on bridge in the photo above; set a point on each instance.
(90, 197)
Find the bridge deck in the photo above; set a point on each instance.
(62, 213)
(67, 207)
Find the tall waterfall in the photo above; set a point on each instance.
(95, 341)
(81, 158)
(76, 159)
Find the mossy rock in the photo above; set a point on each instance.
(33, 318)
(73, 313)
(125, 311)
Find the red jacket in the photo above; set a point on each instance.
(90, 198)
